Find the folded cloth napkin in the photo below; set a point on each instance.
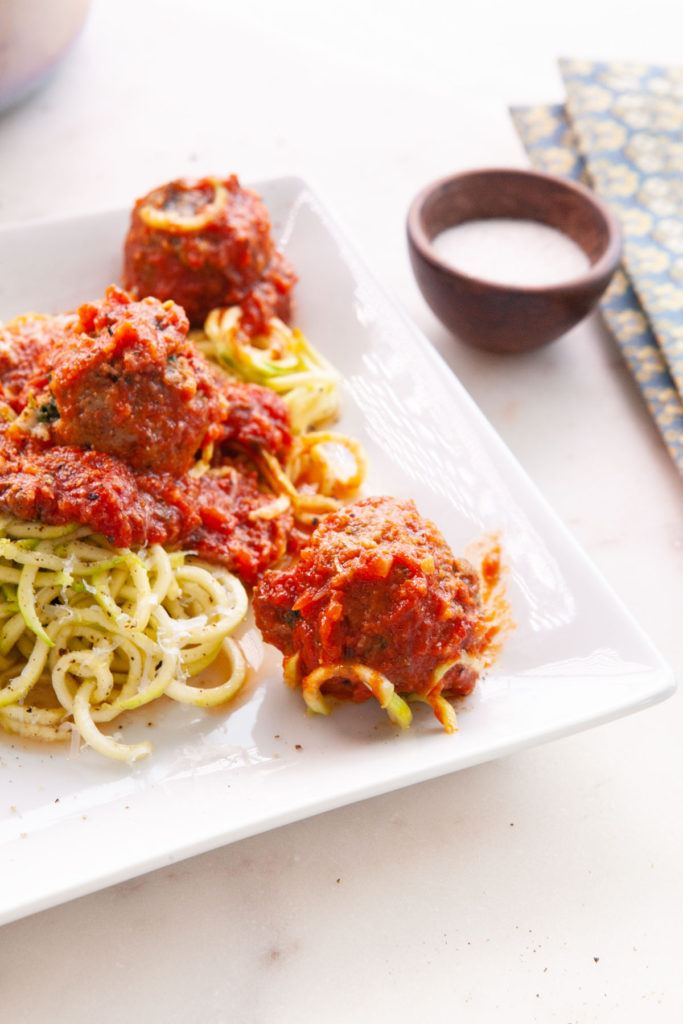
(621, 133)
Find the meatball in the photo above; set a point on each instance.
(256, 419)
(377, 603)
(122, 377)
(207, 243)
(132, 385)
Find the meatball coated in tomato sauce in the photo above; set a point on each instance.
(102, 415)
(207, 243)
(377, 585)
(134, 386)
(122, 377)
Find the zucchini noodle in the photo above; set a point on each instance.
(324, 468)
(283, 360)
(395, 704)
(89, 631)
(322, 471)
(186, 222)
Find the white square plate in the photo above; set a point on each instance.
(70, 825)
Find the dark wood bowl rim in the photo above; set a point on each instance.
(603, 267)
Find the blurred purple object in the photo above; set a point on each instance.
(34, 37)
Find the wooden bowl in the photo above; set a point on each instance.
(501, 317)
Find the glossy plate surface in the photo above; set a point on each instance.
(70, 825)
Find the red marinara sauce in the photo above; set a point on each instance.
(207, 243)
(111, 407)
(376, 584)
(27, 350)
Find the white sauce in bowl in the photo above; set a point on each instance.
(513, 252)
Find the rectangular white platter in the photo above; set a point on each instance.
(71, 825)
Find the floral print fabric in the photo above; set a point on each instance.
(621, 132)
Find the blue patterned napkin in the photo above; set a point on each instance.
(621, 132)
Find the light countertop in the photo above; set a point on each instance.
(545, 886)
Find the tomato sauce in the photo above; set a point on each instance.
(27, 348)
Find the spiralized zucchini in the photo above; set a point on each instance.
(89, 631)
(395, 704)
(322, 470)
(283, 360)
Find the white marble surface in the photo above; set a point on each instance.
(543, 887)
